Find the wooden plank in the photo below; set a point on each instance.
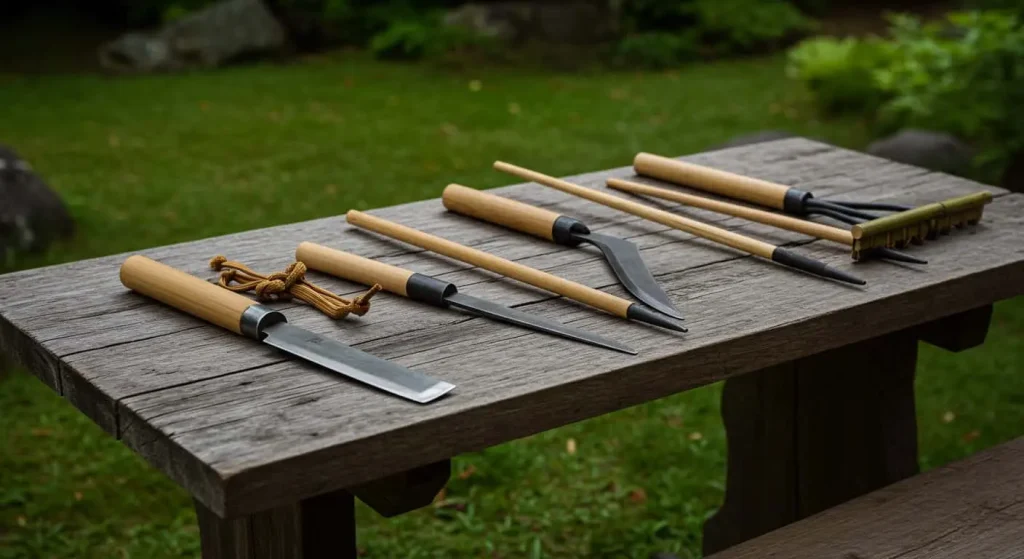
(321, 527)
(244, 429)
(972, 508)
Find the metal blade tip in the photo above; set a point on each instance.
(642, 313)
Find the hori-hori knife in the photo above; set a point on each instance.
(433, 291)
(242, 316)
(623, 256)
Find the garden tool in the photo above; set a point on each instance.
(692, 226)
(623, 256)
(869, 230)
(782, 221)
(572, 290)
(433, 291)
(242, 316)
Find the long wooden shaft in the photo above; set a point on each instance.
(819, 230)
(710, 232)
(587, 295)
(712, 180)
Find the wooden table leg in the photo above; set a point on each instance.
(320, 527)
(808, 435)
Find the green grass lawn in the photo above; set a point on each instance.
(150, 161)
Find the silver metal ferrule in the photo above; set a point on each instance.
(256, 318)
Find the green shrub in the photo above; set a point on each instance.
(743, 26)
(969, 82)
(963, 75)
(656, 49)
(423, 37)
(719, 27)
(840, 72)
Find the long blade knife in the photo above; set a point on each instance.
(623, 256)
(427, 289)
(240, 315)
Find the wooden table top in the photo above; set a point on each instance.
(243, 427)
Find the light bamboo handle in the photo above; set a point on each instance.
(781, 221)
(712, 180)
(185, 292)
(587, 295)
(501, 211)
(355, 268)
(710, 232)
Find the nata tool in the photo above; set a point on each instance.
(622, 255)
(907, 225)
(570, 289)
(692, 226)
(240, 315)
(782, 221)
(426, 289)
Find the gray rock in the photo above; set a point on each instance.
(211, 37)
(31, 214)
(937, 151)
(572, 22)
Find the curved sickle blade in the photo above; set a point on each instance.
(526, 320)
(355, 364)
(624, 258)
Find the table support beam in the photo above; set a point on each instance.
(807, 435)
(320, 527)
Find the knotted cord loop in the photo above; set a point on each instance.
(283, 286)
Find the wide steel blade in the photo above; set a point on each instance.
(520, 318)
(355, 364)
(624, 258)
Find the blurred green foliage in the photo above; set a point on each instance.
(661, 34)
(963, 75)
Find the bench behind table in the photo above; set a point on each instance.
(972, 508)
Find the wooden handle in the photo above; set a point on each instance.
(587, 295)
(712, 180)
(501, 211)
(185, 292)
(781, 221)
(355, 268)
(710, 232)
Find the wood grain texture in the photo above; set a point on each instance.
(814, 433)
(245, 429)
(353, 267)
(500, 210)
(732, 185)
(688, 225)
(321, 527)
(972, 508)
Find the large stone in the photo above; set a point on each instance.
(218, 34)
(31, 215)
(937, 151)
(572, 22)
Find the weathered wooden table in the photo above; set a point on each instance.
(819, 406)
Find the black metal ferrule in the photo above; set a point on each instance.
(795, 201)
(812, 266)
(565, 229)
(426, 289)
